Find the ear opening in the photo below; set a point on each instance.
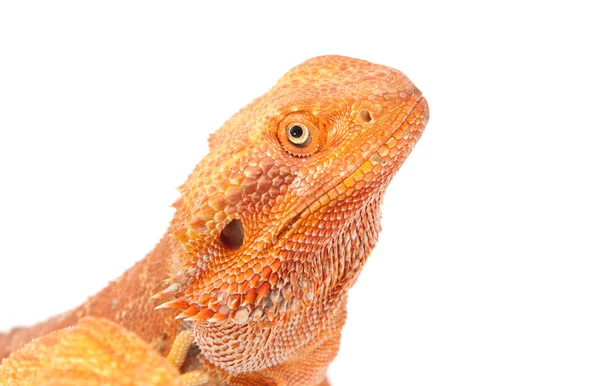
(232, 236)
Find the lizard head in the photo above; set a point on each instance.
(278, 219)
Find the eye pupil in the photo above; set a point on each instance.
(296, 131)
(298, 135)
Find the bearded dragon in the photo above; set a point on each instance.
(271, 230)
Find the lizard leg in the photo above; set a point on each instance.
(182, 344)
(95, 351)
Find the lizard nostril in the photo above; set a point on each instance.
(232, 235)
(365, 115)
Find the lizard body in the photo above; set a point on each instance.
(272, 228)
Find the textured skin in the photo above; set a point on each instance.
(93, 352)
(267, 308)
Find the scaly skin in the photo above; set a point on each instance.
(269, 235)
(94, 352)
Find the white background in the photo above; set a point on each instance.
(487, 270)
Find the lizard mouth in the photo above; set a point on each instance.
(376, 165)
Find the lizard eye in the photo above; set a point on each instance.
(298, 134)
(301, 134)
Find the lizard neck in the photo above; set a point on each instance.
(125, 301)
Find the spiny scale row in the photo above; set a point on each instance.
(265, 299)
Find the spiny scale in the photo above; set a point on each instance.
(172, 290)
(189, 312)
(176, 303)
